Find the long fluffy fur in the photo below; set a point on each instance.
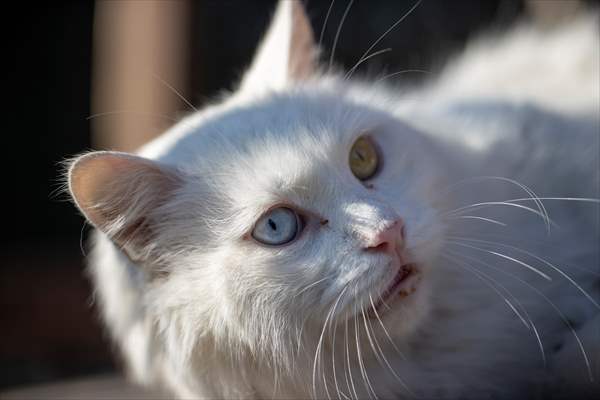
(228, 319)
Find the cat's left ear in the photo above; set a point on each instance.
(287, 53)
(124, 196)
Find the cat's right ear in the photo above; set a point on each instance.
(121, 195)
(287, 53)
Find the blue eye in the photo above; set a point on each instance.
(278, 226)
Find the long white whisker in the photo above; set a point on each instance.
(378, 52)
(369, 337)
(493, 221)
(492, 286)
(337, 33)
(546, 219)
(581, 199)
(405, 71)
(140, 113)
(400, 380)
(542, 210)
(325, 385)
(348, 360)
(570, 326)
(524, 264)
(380, 38)
(558, 311)
(546, 262)
(333, 363)
(325, 23)
(190, 105)
(532, 324)
(361, 365)
(312, 285)
(320, 343)
(385, 331)
(490, 236)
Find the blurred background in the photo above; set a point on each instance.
(80, 75)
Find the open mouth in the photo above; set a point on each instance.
(403, 284)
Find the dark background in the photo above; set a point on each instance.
(49, 326)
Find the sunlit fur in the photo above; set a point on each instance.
(230, 318)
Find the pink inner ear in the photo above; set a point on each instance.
(302, 45)
(106, 185)
(286, 54)
(89, 178)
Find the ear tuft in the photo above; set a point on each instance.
(119, 194)
(287, 53)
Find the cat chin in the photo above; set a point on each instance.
(409, 307)
(403, 304)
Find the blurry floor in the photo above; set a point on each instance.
(99, 387)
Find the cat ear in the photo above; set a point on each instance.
(120, 194)
(287, 53)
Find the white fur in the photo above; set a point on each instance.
(233, 319)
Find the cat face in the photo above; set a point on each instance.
(289, 205)
(286, 164)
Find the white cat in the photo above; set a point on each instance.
(311, 236)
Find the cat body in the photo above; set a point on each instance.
(501, 300)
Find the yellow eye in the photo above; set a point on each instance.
(363, 159)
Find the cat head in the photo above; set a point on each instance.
(297, 202)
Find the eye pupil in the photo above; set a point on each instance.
(272, 224)
(277, 227)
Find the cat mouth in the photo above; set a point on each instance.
(403, 284)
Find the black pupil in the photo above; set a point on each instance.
(272, 224)
(360, 156)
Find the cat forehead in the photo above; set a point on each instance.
(286, 126)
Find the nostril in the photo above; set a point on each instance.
(387, 239)
(381, 247)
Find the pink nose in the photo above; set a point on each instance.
(387, 239)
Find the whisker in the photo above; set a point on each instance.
(532, 324)
(333, 363)
(140, 113)
(400, 380)
(339, 392)
(363, 371)
(528, 190)
(537, 271)
(348, 359)
(531, 241)
(177, 93)
(320, 342)
(546, 262)
(405, 71)
(570, 326)
(555, 307)
(385, 330)
(325, 385)
(493, 221)
(378, 52)
(325, 23)
(337, 33)
(546, 219)
(364, 317)
(313, 284)
(380, 38)
(581, 199)
(492, 286)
